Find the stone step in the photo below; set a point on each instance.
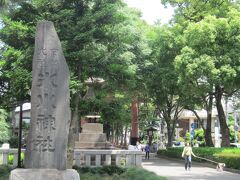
(92, 137)
(96, 145)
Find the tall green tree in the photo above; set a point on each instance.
(193, 11)
(212, 54)
(161, 76)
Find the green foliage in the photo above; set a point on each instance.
(229, 156)
(187, 137)
(5, 172)
(199, 136)
(95, 44)
(231, 128)
(232, 161)
(11, 158)
(4, 127)
(114, 173)
(101, 170)
(13, 141)
(180, 139)
(160, 75)
(194, 10)
(231, 133)
(209, 64)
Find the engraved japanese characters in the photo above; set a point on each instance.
(50, 112)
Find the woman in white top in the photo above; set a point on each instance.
(187, 152)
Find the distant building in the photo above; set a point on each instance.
(187, 121)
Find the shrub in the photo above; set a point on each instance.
(113, 170)
(13, 141)
(102, 170)
(116, 173)
(4, 172)
(11, 157)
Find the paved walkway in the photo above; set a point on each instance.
(174, 170)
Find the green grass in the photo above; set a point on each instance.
(103, 173)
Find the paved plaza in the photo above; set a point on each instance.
(174, 170)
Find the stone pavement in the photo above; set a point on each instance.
(174, 170)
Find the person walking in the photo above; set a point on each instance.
(187, 152)
(147, 150)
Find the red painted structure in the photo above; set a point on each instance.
(134, 131)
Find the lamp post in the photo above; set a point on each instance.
(150, 134)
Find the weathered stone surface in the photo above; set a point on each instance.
(92, 128)
(44, 174)
(92, 145)
(92, 137)
(50, 112)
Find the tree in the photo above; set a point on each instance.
(161, 76)
(212, 55)
(4, 127)
(195, 11)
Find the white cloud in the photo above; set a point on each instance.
(152, 10)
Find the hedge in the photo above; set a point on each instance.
(229, 156)
(4, 172)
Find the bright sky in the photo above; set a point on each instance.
(152, 10)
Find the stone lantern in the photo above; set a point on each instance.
(91, 135)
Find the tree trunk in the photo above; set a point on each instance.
(125, 136)
(150, 140)
(72, 132)
(170, 137)
(222, 118)
(115, 137)
(170, 134)
(108, 130)
(121, 143)
(208, 131)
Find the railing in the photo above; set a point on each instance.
(86, 157)
(4, 154)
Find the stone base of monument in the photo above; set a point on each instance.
(44, 174)
(92, 137)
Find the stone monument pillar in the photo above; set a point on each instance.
(46, 153)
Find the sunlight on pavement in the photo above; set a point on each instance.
(175, 171)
